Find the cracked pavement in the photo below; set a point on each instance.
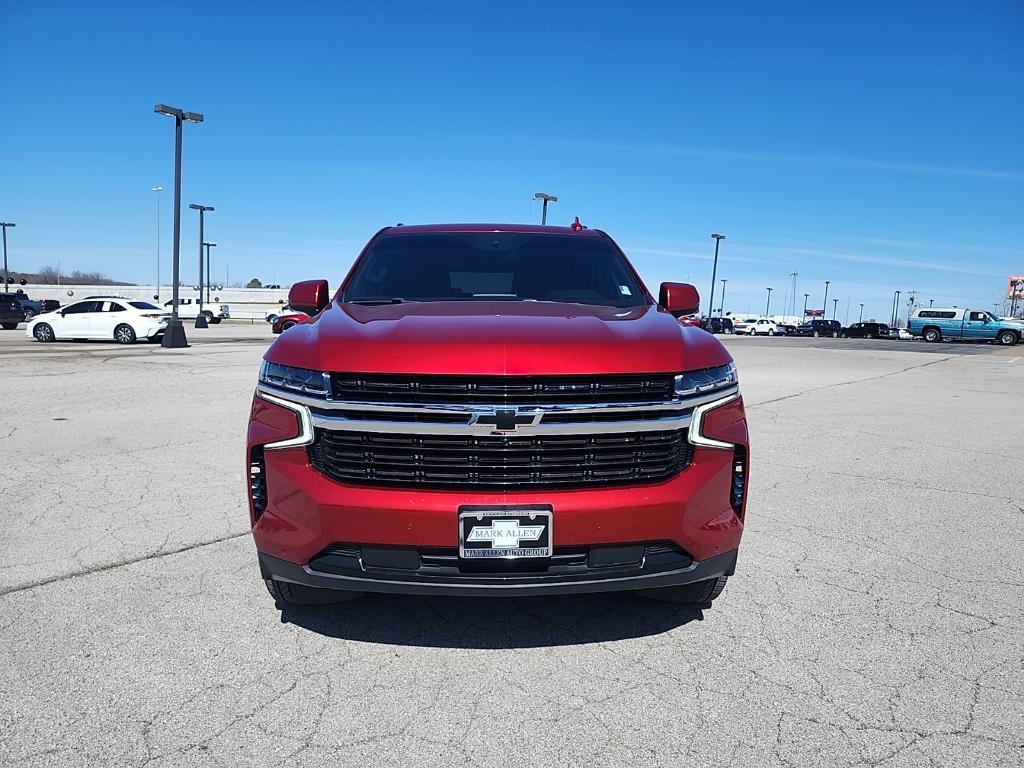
(875, 618)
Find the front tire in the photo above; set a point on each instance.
(286, 593)
(124, 334)
(1007, 338)
(817, 334)
(699, 593)
(286, 326)
(771, 332)
(43, 333)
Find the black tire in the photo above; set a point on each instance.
(1007, 338)
(869, 335)
(287, 325)
(699, 593)
(817, 334)
(286, 593)
(10, 326)
(214, 320)
(29, 314)
(271, 319)
(932, 335)
(208, 316)
(771, 332)
(44, 333)
(124, 334)
(835, 334)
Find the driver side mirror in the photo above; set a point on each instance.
(309, 296)
(679, 298)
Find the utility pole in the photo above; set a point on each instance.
(7, 275)
(714, 272)
(546, 198)
(174, 336)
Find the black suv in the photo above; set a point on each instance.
(819, 328)
(866, 331)
(717, 324)
(11, 311)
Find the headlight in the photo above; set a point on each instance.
(706, 380)
(295, 379)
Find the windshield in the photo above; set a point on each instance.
(494, 266)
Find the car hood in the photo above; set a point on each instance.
(513, 338)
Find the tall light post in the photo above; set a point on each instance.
(200, 318)
(806, 297)
(895, 299)
(792, 307)
(7, 277)
(174, 336)
(768, 304)
(861, 318)
(544, 210)
(209, 274)
(158, 190)
(721, 304)
(714, 273)
(835, 306)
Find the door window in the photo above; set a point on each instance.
(978, 317)
(112, 306)
(83, 307)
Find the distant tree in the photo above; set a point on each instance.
(48, 276)
(254, 283)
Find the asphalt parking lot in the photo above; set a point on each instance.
(875, 619)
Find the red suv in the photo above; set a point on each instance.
(489, 409)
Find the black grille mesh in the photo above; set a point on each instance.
(499, 461)
(518, 390)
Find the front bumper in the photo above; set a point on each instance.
(359, 578)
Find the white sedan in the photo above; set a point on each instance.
(111, 318)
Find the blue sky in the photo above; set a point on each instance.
(876, 145)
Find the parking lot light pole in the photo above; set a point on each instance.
(544, 210)
(861, 318)
(895, 298)
(209, 274)
(824, 304)
(721, 303)
(200, 318)
(174, 336)
(835, 306)
(768, 304)
(158, 190)
(714, 273)
(7, 277)
(806, 297)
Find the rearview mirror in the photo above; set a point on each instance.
(309, 296)
(679, 298)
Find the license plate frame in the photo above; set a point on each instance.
(495, 543)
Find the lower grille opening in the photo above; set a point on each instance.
(257, 481)
(739, 480)
(444, 562)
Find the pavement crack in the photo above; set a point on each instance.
(109, 566)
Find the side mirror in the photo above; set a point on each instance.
(679, 298)
(309, 296)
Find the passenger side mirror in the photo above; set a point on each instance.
(679, 298)
(309, 296)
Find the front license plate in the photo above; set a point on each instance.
(511, 532)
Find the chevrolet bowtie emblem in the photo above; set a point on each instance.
(506, 419)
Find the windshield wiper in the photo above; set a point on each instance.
(374, 301)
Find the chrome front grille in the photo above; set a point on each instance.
(499, 461)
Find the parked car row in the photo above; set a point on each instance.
(18, 303)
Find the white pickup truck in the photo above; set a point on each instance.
(188, 309)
